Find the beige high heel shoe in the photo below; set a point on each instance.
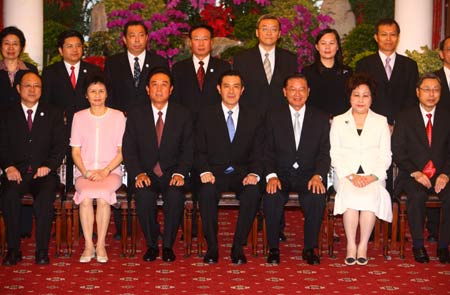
(102, 259)
(87, 258)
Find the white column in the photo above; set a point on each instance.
(28, 16)
(415, 18)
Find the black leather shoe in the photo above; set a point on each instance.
(237, 255)
(283, 237)
(12, 257)
(274, 256)
(150, 254)
(432, 239)
(310, 257)
(211, 257)
(42, 257)
(443, 255)
(421, 255)
(168, 255)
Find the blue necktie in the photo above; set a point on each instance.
(230, 126)
(137, 72)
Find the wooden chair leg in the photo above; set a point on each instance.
(385, 229)
(200, 236)
(124, 213)
(377, 234)
(58, 230)
(402, 230)
(187, 230)
(68, 206)
(394, 230)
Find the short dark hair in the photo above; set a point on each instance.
(268, 16)
(427, 76)
(386, 22)
(134, 23)
(442, 43)
(95, 77)
(201, 26)
(160, 70)
(67, 34)
(13, 31)
(230, 73)
(358, 79)
(29, 72)
(296, 75)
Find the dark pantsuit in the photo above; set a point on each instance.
(417, 196)
(312, 205)
(43, 190)
(147, 211)
(209, 196)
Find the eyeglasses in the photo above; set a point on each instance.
(70, 46)
(429, 90)
(294, 90)
(200, 39)
(270, 29)
(29, 86)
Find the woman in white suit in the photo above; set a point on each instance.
(360, 154)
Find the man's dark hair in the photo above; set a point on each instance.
(29, 72)
(160, 70)
(427, 76)
(134, 23)
(201, 26)
(294, 76)
(230, 73)
(386, 22)
(268, 16)
(442, 43)
(67, 34)
(13, 31)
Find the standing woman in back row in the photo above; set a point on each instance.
(328, 74)
(12, 42)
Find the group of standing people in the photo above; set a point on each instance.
(256, 127)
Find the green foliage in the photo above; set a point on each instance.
(151, 6)
(428, 60)
(358, 57)
(102, 43)
(51, 31)
(359, 39)
(370, 11)
(244, 27)
(283, 8)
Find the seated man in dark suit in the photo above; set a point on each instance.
(158, 151)
(296, 158)
(228, 158)
(421, 150)
(33, 141)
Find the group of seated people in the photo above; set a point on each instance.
(261, 153)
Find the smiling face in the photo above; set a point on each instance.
(230, 90)
(11, 47)
(296, 92)
(387, 38)
(268, 33)
(361, 99)
(30, 89)
(159, 89)
(72, 50)
(135, 39)
(327, 46)
(96, 94)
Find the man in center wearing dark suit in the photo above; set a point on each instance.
(64, 84)
(127, 71)
(421, 150)
(228, 153)
(296, 158)
(158, 152)
(33, 141)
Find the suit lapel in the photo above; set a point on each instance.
(398, 68)
(145, 69)
(62, 72)
(222, 124)
(420, 130)
(286, 124)
(257, 61)
(39, 117)
(22, 119)
(126, 70)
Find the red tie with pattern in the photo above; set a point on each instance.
(159, 130)
(429, 168)
(72, 77)
(201, 75)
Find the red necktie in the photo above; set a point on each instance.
(30, 119)
(201, 75)
(159, 131)
(429, 168)
(72, 77)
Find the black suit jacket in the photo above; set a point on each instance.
(215, 153)
(8, 93)
(396, 94)
(258, 93)
(58, 90)
(410, 147)
(313, 153)
(121, 91)
(140, 146)
(444, 102)
(186, 90)
(45, 145)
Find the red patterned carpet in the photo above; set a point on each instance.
(191, 276)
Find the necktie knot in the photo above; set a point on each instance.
(72, 68)
(230, 113)
(136, 59)
(429, 116)
(29, 112)
(297, 115)
(388, 60)
(201, 63)
(159, 114)
(266, 55)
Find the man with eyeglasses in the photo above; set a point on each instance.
(421, 150)
(33, 141)
(64, 84)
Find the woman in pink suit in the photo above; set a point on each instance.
(96, 142)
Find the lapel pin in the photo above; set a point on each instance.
(146, 65)
(346, 122)
(211, 70)
(84, 71)
(42, 114)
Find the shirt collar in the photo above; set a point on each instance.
(140, 56)
(68, 65)
(156, 110)
(25, 108)
(424, 112)
(384, 56)
(205, 60)
(301, 111)
(263, 52)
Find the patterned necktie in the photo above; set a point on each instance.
(429, 170)
(230, 126)
(268, 68)
(72, 77)
(30, 119)
(201, 75)
(388, 68)
(297, 129)
(159, 131)
(137, 72)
